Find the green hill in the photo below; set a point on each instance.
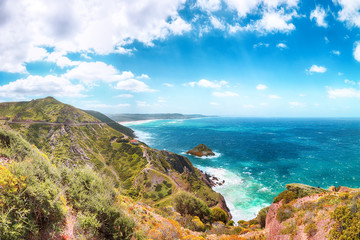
(46, 109)
(78, 138)
(111, 123)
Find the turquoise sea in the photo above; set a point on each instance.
(256, 157)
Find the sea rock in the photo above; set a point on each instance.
(201, 150)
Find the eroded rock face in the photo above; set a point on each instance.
(201, 150)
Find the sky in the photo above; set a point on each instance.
(250, 58)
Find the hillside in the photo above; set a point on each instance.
(111, 123)
(78, 139)
(75, 177)
(137, 117)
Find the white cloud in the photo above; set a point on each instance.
(225, 94)
(209, 5)
(326, 39)
(260, 44)
(261, 87)
(319, 14)
(335, 52)
(133, 85)
(125, 96)
(316, 69)
(350, 12)
(343, 93)
(282, 46)
(208, 84)
(98, 26)
(357, 51)
(347, 81)
(60, 59)
(214, 104)
(41, 86)
(272, 96)
(143, 76)
(302, 95)
(297, 104)
(91, 72)
(169, 84)
(340, 73)
(217, 23)
(272, 21)
(245, 7)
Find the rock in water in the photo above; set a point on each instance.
(201, 150)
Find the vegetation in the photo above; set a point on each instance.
(187, 204)
(287, 195)
(261, 217)
(219, 215)
(36, 196)
(285, 212)
(111, 123)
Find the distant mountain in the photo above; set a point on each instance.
(137, 117)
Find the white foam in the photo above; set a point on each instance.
(237, 192)
(144, 137)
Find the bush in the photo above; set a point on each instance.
(261, 217)
(310, 229)
(187, 204)
(94, 194)
(285, 212)
(197, 224)
(219, 215)
(231, 223)
(346, 224)
(287, 195)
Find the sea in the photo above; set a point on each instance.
(257, 157)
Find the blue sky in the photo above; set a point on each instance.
(264, 58)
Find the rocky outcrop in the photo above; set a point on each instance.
(201, 150)
(178, 162)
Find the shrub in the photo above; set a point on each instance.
(261, 217)
(310, 229)
(219, 215)
(167, 230)
(197, 224)
(231, 223)
(285, 212)
(94, 194)
(346, 224)
(187, 204)
(287, 195)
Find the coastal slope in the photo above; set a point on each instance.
(73, 137)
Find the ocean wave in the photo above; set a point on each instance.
(144, 137)
(239, 192)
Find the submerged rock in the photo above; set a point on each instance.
(201, 150)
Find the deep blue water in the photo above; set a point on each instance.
(257, 157)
